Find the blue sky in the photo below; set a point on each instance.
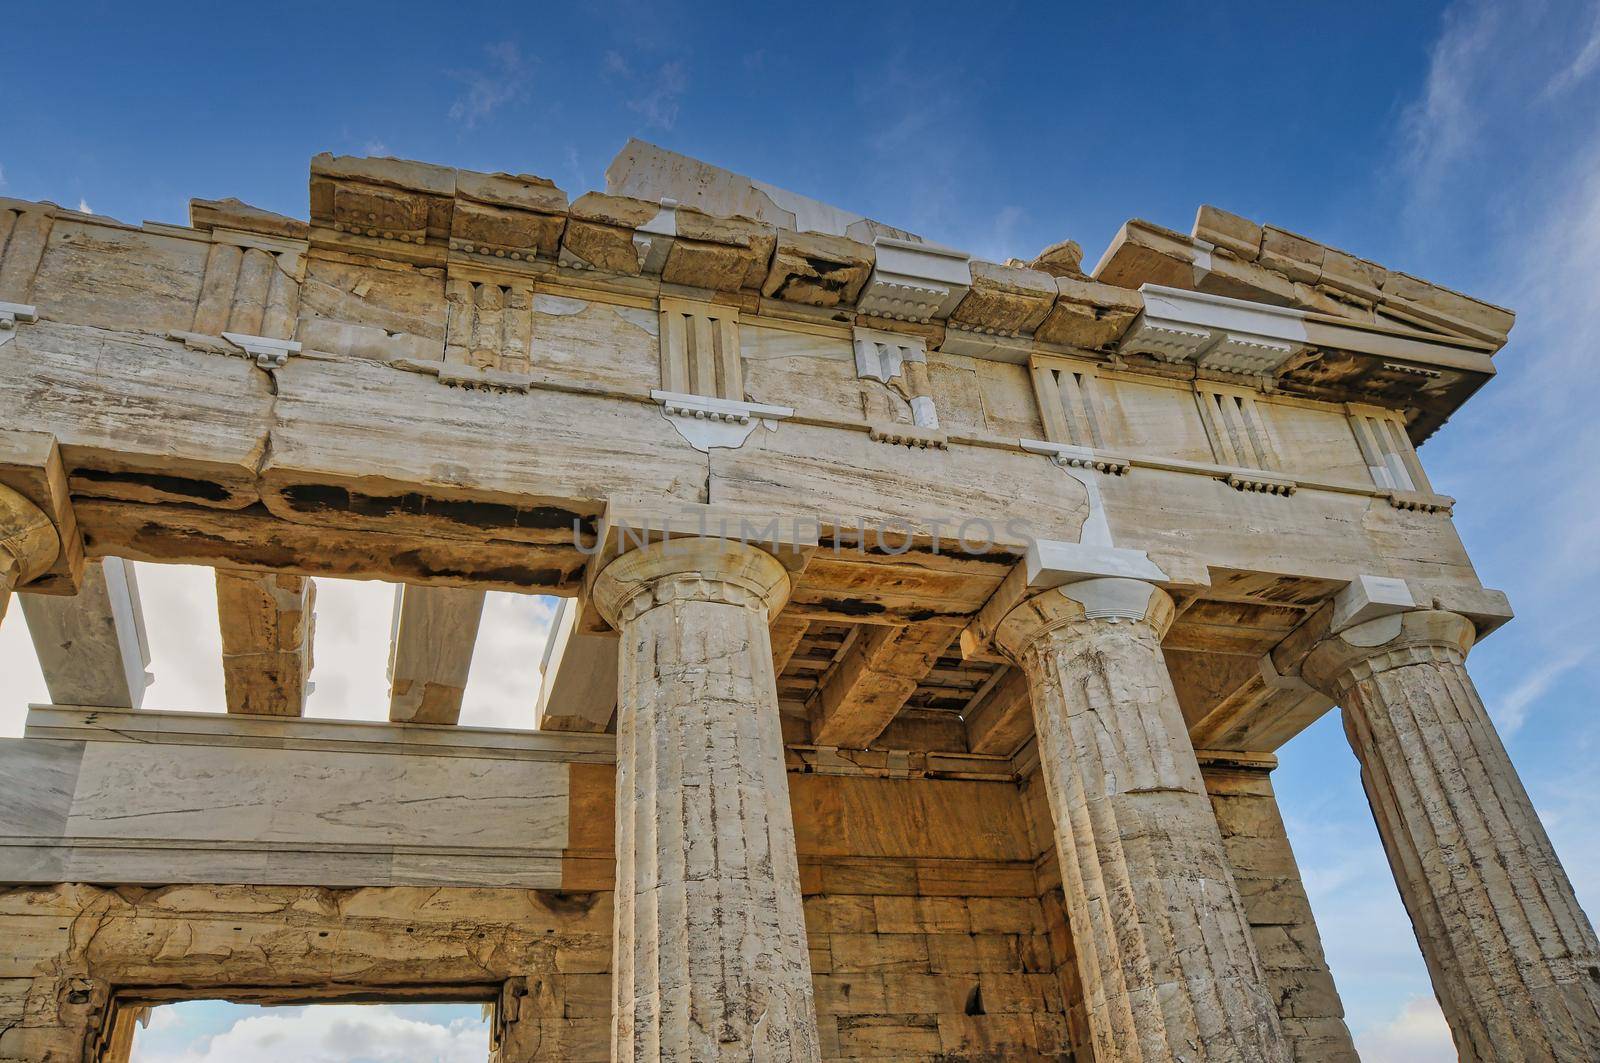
(1460, 142)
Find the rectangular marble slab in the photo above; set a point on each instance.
(147, 797)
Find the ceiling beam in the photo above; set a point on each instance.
(788, 628)
(430, 652)
(91, 646)
(869, 684)
(1001, 719)
(267, 624)
(579, 688)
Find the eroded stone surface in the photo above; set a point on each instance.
(1279, 913)
(1168, 966)
(710, 936)
(1514, 959)
(267, 624)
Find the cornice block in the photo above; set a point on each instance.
(914, 281)
(818, 270)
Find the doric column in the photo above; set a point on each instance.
(1165, 954)
(1513, 958)
(28, 543)
(710, 959)
(1276, 906)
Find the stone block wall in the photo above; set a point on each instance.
(1275, 902)
(933, 909)
(904, 970)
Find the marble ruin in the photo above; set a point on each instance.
(927, 629)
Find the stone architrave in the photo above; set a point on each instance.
(1168, 966)
(1513, 958)
(710, 959)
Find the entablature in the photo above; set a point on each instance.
(622, 348)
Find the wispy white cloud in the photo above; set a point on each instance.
(658, 105)
(503, 79)
(1418, 1034)
(1584, 63)
(83, 206)
(2, 178)
(1510, 712)
(654, 93)
(576, 170)
(1443, 123)
(914, 132)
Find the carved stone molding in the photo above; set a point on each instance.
(24, 234)
(900, 363)
(1420, 501)
(907, 435)
(1211, 332)
(269, 353)
(489, 325)
(706, 422)
(914, 281)
(700, 352)
(466, 376)
(10, 314)
(1068, 456)
(1265, 483)
(1165, 339)
(696, 569)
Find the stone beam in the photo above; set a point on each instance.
(92, 647)
(579, 689)
(480, 807)
(867, 687)
(1001, 718)
(430, 652)
(267, 623)
(787, 631)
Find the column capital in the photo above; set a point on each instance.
(28, 540)
(1110, 600)
(1375, 646)
(690, 569)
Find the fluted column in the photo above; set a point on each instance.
(710, 959)
(28, 543)
(1164, 951)
(1513, 958)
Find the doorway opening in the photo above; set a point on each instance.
(224, 1031)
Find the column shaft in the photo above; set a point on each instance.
(1513, 958)
(1167, 962)
(710, 950)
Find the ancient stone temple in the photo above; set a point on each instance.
(928, 626)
